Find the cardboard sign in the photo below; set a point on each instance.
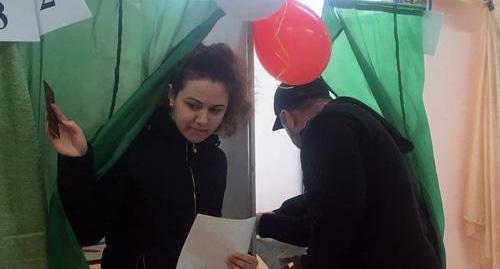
(26, 20)
(55, 14)
(18, 21)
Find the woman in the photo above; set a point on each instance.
(174, 169)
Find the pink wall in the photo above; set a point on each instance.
(450, 81)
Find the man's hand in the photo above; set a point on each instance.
(258, 217)
(292, 262)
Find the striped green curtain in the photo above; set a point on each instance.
(107, 74)
(377, 57)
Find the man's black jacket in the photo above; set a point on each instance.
(360, 208)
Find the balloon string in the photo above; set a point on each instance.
(283, 49)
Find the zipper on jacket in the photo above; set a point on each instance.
(192, 177)
(143, 256)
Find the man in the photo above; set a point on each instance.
(359, 209)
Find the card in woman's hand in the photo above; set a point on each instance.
(51, 115)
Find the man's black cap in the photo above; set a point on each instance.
(290, 96)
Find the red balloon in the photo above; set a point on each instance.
(293, 44)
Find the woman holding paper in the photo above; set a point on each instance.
(173, 170)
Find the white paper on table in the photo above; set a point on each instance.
(212, 241)
(55, 14)
(18, 21)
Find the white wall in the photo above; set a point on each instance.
(278, 174)
(239, 198)
(450, 82)
(277, 165)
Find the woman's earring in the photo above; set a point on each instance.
(170, 97)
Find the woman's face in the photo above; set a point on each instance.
(199, 108)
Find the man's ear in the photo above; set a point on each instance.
(287, 119)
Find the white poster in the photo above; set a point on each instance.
(212, 241)
(18, 21)
(55, 14)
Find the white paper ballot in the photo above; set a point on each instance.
(212, 241)
(18, 21)
(55, 14)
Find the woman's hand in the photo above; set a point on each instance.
(242, 261)
(72, 141)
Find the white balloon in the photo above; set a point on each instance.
(250, 10)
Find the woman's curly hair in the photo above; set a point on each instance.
(218, 63)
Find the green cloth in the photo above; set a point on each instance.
(377, 57)
(113, 138)
(107, 73)
(23, 227)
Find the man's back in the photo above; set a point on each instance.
(362, 202)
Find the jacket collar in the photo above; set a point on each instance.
(403, 144)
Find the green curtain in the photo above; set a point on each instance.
(23, 233)
(377, 57)
(107, 74)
